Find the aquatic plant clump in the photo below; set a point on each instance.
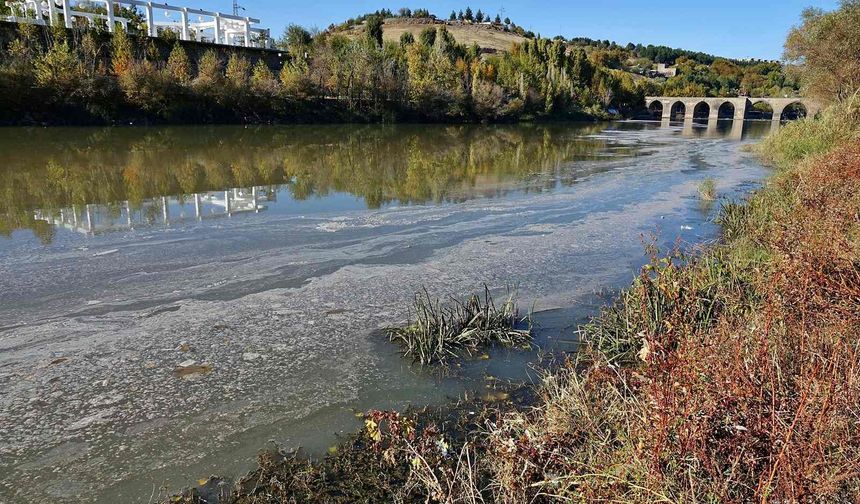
(708, 190)
(440, 332)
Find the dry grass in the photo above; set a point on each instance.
(485, 37)
(730, 377)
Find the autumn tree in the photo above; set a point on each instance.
(178, 65)
(826, 48)
(122, 51)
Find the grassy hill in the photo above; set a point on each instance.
(488, 37)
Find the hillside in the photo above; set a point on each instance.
(488, 37)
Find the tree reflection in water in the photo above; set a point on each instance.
(98, 180)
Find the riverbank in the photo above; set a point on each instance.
(726, 375)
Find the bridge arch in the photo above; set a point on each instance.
(655, 109)
(794, 110)
(761, 109)
(726, 110)
(678, 110)
(701, 110)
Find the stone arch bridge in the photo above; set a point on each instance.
(719, 108)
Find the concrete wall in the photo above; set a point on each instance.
(273, 58)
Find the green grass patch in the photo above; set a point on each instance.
(799, 140)
(442, 331)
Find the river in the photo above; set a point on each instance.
(271, 257)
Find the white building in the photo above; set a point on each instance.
(187, 23)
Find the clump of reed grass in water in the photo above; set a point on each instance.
(440, 332)
(708, 190)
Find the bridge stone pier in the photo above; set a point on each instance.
(710, 108)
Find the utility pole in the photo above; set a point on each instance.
(237, 8)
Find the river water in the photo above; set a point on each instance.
(271, 257)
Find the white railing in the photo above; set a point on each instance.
(223, 28)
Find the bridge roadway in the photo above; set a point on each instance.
(720, 107)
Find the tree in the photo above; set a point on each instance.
(453, 16)
(427, 36)
(58, 69)
(178, 66)
(373, 29)
(469, 16)
(479, 16)
(460, 16)
(238, 72)
(498, 20)
(826, 48)
(263, 81)
(294, 79)
(406, 39)
(296, 40)
(122, 52)
(507, 20)
(209, 71)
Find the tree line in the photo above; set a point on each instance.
(56, 75)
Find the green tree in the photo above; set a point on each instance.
(58, 69)
(469, 16)
(479, 16)
(373, 29)
(453, 16)
(294, 79)
(296, 40)
(427, 36)
(406, 39)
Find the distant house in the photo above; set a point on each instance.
(666, 71)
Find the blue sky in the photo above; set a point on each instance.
(732, 28)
